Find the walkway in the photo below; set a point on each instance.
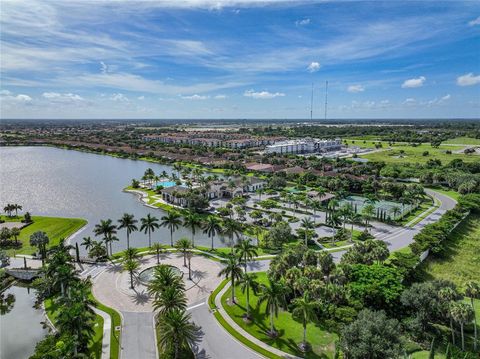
(107, 326)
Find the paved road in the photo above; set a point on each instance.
(138, 336)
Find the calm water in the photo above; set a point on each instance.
(55, 182)
(20, 329)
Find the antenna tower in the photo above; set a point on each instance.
(326, 98)
(311, 104)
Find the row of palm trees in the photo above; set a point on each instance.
(12, 207)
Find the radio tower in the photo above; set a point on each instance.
(311, 104)
(326, 99)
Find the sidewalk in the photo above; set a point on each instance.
(107, 326)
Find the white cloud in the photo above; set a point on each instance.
(415, 82)
(220, 97)
(119, 97)
(5, 93)
(313, 67)
(141, 98)
(55, 96)
(195, 97)
(355, 88)
(263, 95)
(409, 102)
(103, 67)
(302, 22)
(468, 80)
(446, 97)
(474, 22)
(8, 97)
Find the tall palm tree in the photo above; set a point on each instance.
(128, 222)
(274, 296)
(307, 224)
(40, 240)
(462, 313)
(15, 232)
(149, 224)
(184, 244)
(472, 291)
(232, 270)
(106, 229)
(246, 251)
(163, 277)
(157, 248)
(172, 221)
(193, 221)
(368, 212)
(170, 298)
(131, 265)
(212, 227)
(88, 243)
(304, 312)
(447, 296)
(353, 217)
(231, 228)
(247, 282)
(109, 240)
(176, 331)
(16, 208)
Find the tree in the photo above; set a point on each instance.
(307, 224)
(231, 228)
(246, 251)
(472, 291)
(447, 296)
(367, 252)
(158, 248)
(169, 299)
(163, 277)
(274, 296)
(193, 221)
(462, 314)
(247, 282)
(184, 244)
(106, 229)
(212, 227)
(40, 240)
(149, 224)
(15, 232)
(171, 221)
(368, 212)
(88, 243)
(176, 331)
(232, 271)
(279, 234)
(304, 312)
(128, 222)
(131, 265)
(372, 335)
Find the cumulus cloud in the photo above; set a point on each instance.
(313, 67)
(446, 97)
(474, 22)
(415, 82)
(220, 97)
(195, 97)
(355, 88)
(8, 96)
(409, 102)
(262, 95)
(55, 96)
(302, 22)
(119, 97)
(468, 80)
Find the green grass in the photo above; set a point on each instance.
(415, 154)
(447, 192)
(56, 229)
(460, 261)
(463, 141)
(116, 321)
(95, 344)
(290, 331)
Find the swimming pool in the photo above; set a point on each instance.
(166, 184)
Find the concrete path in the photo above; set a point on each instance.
(138, 336)
(107, 326)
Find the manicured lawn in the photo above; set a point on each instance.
(291, 331)
(460, 262)
(56, 229)
(463, 141)
(415, 154)
(95, 345)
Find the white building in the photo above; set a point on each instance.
(307, 145)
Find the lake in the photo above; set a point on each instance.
(50, 181)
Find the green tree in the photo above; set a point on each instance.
(184, 244)
(248, 282)
(106, 229)
(232, 271)
(131, 266)
(232, 229)
(212, 227)
(462, 314)
(246, 251)
(170, 298)
(40, 240)
(88, 243)
(307, 224)
(129, 223)
(304, 312)
(193, 221)
(472, 291)
(163, 277)
(149, 225)
(15, 232)
(158, 248)
(171, 221)
(273, 295)
(176, 331)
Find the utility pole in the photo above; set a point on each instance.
(326, 98)
(311, 105)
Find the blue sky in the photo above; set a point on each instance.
(239, 59)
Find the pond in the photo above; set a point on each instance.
(57, 182)
(20, 327)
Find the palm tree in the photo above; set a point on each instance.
(368, 212)
(108, 241)
(130, 253)
(472, 291)
(88, 243)
(131, 265)
(40, 240)
(304, 312)
(462, 313)
(212, 227)
(177, 167)
(247, 282)
(307, 224)
(176, 330)
(163, 277)
(172, 222)
(184, 244)
(149, 224)
(158, 248)
(170, 298)
(128, 222)
(246, 251)
(447, 295)
(15, 232)
(105, 228)
(274, 295)
(353, 217)
(395, 210)
(16, 208)
(233, 271)
(231, 228)
(193, 221)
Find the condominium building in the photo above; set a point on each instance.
(306, 145)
